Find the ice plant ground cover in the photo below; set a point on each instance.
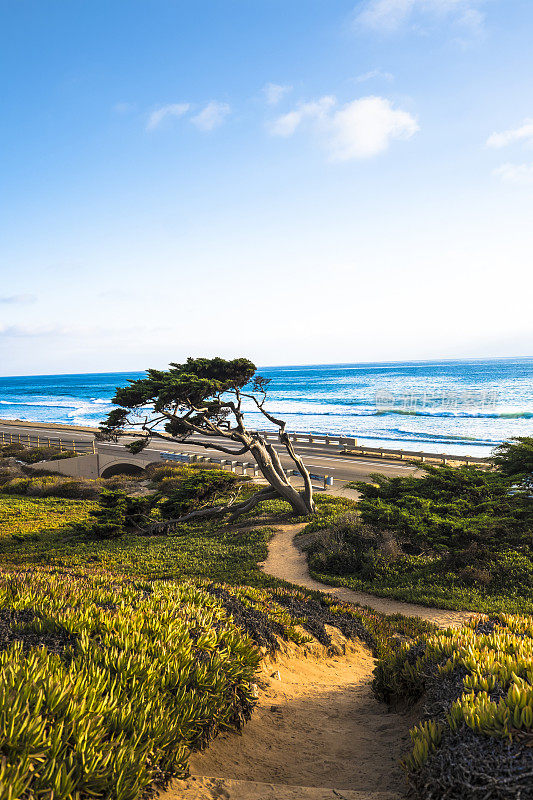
(21, 516)
(109, 678)
(476, 684)
(106, 685)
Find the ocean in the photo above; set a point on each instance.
(462, 407)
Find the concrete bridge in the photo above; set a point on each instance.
(101, 464)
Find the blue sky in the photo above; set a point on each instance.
(298, 182)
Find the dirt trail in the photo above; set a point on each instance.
(317, 733)
(285, 561)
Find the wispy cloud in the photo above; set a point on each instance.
(388, 16)
(287, 124)
(523, 133)
(124, 108)
(163, 112)
(372, 75)
(18, 299)
(518, 174)
(29, 331)
(357, 130)
(275, 92)
(212, 116)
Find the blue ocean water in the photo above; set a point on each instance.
(463, 407)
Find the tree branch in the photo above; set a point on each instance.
(214, 511)
(211, 446)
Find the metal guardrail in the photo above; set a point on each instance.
(61, 444)
(313, 438)
(412, 455)
(226, 463)
(349, 446)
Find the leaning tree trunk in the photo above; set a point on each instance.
(269, 463)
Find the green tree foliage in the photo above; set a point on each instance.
(449, 507)
(515, 458)
(201, 402)
(117, 513)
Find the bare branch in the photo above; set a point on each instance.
(215, 511)
(211, 446)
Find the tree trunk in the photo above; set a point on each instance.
(268, 462)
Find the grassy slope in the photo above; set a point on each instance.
(115, 618)
(424, 589)
(21, 516)
(39, 531)
(81, 623)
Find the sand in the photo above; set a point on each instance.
(286, 561)
(317, 733)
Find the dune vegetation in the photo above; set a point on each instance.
(476, 687)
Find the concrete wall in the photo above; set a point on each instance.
(77, 467)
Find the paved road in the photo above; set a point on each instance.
(319, 459)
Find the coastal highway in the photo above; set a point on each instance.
(319, 458)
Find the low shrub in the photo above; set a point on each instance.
(201, 487)
(458, 537)
(328, 509)
(449, 508)
(117, 514)
(478, 688)
(35, 454)
(32, 455)
(54, 486)
(45, 484)
(11, 450)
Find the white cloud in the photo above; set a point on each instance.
(275, 92)
(388, 16)
(211, 116)
(523, 133)
(518, 174)
(17, 299)
(171, 110)
(287, 124)
(372, 74)
(357, 130)
(366, 127)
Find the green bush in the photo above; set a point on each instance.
(32, 455)
(52, 486)
(449, 507)
(458, 537)
(202, 487)
(35, 454)
(515, 458)
(117, 514)
(11, 450)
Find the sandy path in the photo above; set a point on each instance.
(287, 562)
(318, 733)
